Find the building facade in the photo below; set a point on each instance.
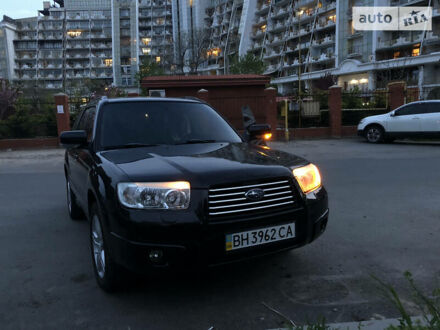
(304, 43)
(73, 40)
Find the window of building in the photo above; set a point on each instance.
(146, 51)
(146, 41)
(158, 59)
(396, 54)
(124, 12)
(74, 34)
(108, 62)
(415, 51)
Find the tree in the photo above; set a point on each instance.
(149, 68)
(8, 98)
(182, 48)
(199, 41)
(248, 64)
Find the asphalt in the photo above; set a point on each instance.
(384, 220)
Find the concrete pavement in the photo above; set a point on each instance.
(384, 219)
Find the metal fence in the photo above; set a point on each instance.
(310, 111)
(357, 105)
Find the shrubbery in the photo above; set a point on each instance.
(29, 119)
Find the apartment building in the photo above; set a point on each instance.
(307, 41)
(73, 40)
(313, 41)
(225, 20)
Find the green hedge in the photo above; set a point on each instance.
(29, 120)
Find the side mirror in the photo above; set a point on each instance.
(259, 132)
(70, 138)
(393, 114)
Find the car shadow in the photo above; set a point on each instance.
(206, 281)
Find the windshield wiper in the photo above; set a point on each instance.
(130, 145)
(195, 141)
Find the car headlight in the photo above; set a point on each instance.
(155, 195)
(308, 177)
(362, 121)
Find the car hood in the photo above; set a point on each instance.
(377, 118)
(203, 165)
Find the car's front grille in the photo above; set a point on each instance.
(224, 201)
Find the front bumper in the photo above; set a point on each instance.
(199, 242)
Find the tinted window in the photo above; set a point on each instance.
(433, 107)
(410, 109)
(161, 123)
(77, 121)
(87, 121)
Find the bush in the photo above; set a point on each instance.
(29, 120)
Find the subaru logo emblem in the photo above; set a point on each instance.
(255, 194)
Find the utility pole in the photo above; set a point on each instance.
(299, 67)
(286, 120)
(192, 32)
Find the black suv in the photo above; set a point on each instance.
(168, 182)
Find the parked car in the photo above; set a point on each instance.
(416, 119)
(169, 183)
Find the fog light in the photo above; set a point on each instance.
(156, 255)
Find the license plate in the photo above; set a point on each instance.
(259, 236)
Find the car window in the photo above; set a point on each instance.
(87, 121)
(77, 121)
(161, 123)
(433, 107)
(410, 109)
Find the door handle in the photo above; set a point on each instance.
(416, 118)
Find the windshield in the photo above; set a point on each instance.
(156, 123)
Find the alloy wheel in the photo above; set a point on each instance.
(98, 246)
(69, 197)
(374, 134)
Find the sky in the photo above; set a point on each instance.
(20, 8)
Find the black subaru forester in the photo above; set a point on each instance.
(168, 183)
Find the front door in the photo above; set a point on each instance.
(406, 120)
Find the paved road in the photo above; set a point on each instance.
(385, 219)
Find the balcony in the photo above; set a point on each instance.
(324, 41)
(28, 76)
(276, 27)
(401, 41)
(272, 68)
(263, 8)
(28, 27)
(323, 57)
(325, 24)
(101, 36)
(280, 12)
(75, 16)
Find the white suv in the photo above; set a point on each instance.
(416, 119)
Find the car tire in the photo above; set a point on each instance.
(74, 209)
(374, 134)
(107, 273)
